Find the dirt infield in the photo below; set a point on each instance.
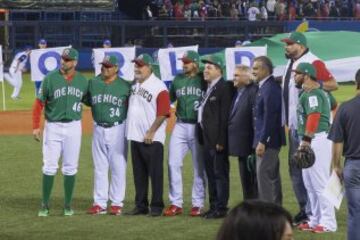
(20, 122)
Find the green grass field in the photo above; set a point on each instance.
(20, 179)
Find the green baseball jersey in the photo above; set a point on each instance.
(315, 101)
(108, 101)
(187, 92)
(62, 98)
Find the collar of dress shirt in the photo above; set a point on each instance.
(261, 83)
(240, 90)
(213, 83)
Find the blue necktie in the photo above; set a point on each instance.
(235, 102)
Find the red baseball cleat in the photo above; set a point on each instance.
(195, 211)
(305, 227)
(115, 210)
(320, 229)
(96, 210)
(172, 210)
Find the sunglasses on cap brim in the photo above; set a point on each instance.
(186, 60)
(140, 63)
(107, 65)
(288, 41)
(65, 59)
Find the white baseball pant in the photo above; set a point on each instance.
(15, 80)
(109, 150)
(61, 140)
(183, 139)
(315, 179)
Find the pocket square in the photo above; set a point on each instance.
(213, 98)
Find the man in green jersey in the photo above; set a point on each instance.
(61, 93)
(313, 124)
(108, 96)
(186, 89)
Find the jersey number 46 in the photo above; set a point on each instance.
(77, 107)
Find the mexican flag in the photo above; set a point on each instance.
(340, 50)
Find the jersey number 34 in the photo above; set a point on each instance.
(114, 112)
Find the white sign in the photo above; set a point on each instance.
(1, 66)
(242, 55)
(169, 62)
(124, 56)
(43, 61)
(334, 190)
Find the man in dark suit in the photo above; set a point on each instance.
(213, 119)
(269, 131)
(241, 130)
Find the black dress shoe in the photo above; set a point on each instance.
(138, 211)
(216, 214)
(155, 213)
(301, 217)
(209, 212)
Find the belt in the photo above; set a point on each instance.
(186, 120)
(109, 125)
(62, 121)
(66, 121)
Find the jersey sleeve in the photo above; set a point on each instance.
(163, 104)
(36, 114)
(312, 122)
(22, 58)
(322, 73)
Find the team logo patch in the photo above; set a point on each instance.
(313, 102)
(107, 58)
(66, 51)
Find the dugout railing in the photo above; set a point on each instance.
(90, 34)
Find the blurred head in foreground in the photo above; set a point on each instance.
(257, 220)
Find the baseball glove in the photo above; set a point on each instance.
(304, 157)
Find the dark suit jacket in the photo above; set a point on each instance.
(240, 126)
(267, 115)
(215, 115)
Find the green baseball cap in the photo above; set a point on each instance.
(143, 59)
(306, 68)
(190, 56)
(215, 60)
(109, 61)
(296, 37)
(70, 54)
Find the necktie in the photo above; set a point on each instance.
(203, 102)
(235, 102)
(286, 90)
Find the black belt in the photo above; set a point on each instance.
(62, 120)
(109, 125)
(186, 121)
(66, 120)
